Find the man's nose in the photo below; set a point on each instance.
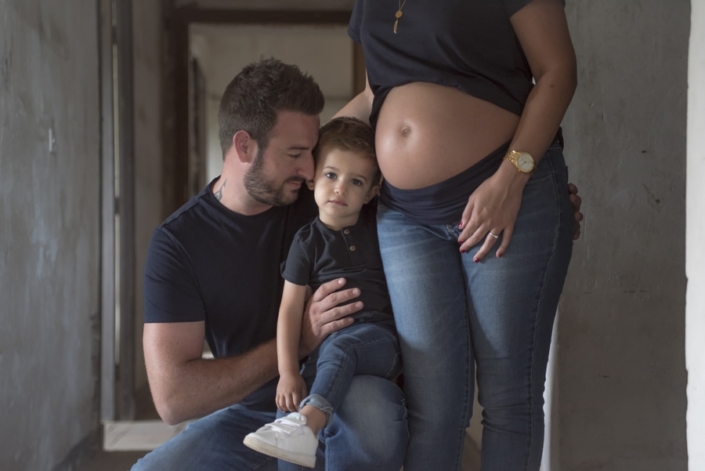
(307, 168)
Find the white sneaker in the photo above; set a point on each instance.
(288, 439)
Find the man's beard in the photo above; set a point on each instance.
(266, 191)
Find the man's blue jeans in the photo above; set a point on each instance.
(368, 432)
(453, 315)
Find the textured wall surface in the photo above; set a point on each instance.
(621, 361)
(695, 265)
(49, 229)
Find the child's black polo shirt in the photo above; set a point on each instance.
(319, 254)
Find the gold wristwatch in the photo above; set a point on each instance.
(523, 161)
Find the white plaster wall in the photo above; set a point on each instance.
(49, 230)
(695, 236)
(621, 364)
(148, 150)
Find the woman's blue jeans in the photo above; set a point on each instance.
(454, 315)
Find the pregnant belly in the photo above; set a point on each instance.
(428, 133)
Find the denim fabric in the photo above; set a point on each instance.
(320, 403)
(361, 349)
(453, 314)
(368, 432)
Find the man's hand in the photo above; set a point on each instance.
(324, 314)
(576, 201)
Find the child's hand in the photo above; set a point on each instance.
(291, 390)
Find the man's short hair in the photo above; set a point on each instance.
(253, 98)
(351, 134)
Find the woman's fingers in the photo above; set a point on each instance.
(490, 241)
(576, 201)
(506, 239)
(471, 236)
(489, 238)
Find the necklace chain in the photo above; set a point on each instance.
(398, 15)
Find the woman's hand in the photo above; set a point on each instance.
(291, 390)
(492, 211)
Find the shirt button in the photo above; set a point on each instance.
(352, 248)
(346, 231)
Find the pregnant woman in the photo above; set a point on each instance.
(475, 222)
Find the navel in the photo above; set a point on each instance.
(405, 131)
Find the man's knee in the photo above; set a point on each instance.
(374, 398)
(215, 439)
(373, 418)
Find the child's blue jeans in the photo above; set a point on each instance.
(360, 349)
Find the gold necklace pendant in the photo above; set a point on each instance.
(398, 15)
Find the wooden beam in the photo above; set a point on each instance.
(193, 14)
(126, 147)
(107, 184)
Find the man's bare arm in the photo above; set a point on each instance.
(185, 386)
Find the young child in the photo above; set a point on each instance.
(340, 242)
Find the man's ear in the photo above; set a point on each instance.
(310, 184)
(245, 147)
(374, 191)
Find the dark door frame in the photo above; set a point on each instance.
(117, 205)
(176, 79)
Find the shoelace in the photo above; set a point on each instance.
(286, 426)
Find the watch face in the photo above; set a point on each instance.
(525, 162)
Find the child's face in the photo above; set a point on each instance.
(342, 184)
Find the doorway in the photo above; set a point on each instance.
(221, 51)
(204, 49)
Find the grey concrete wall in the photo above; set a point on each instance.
(49, 230)
(621, 361)
(695, 251)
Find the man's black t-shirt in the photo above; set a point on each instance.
(207, 263)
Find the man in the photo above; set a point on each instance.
(212, 272)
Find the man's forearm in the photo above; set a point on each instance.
(194, 388)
